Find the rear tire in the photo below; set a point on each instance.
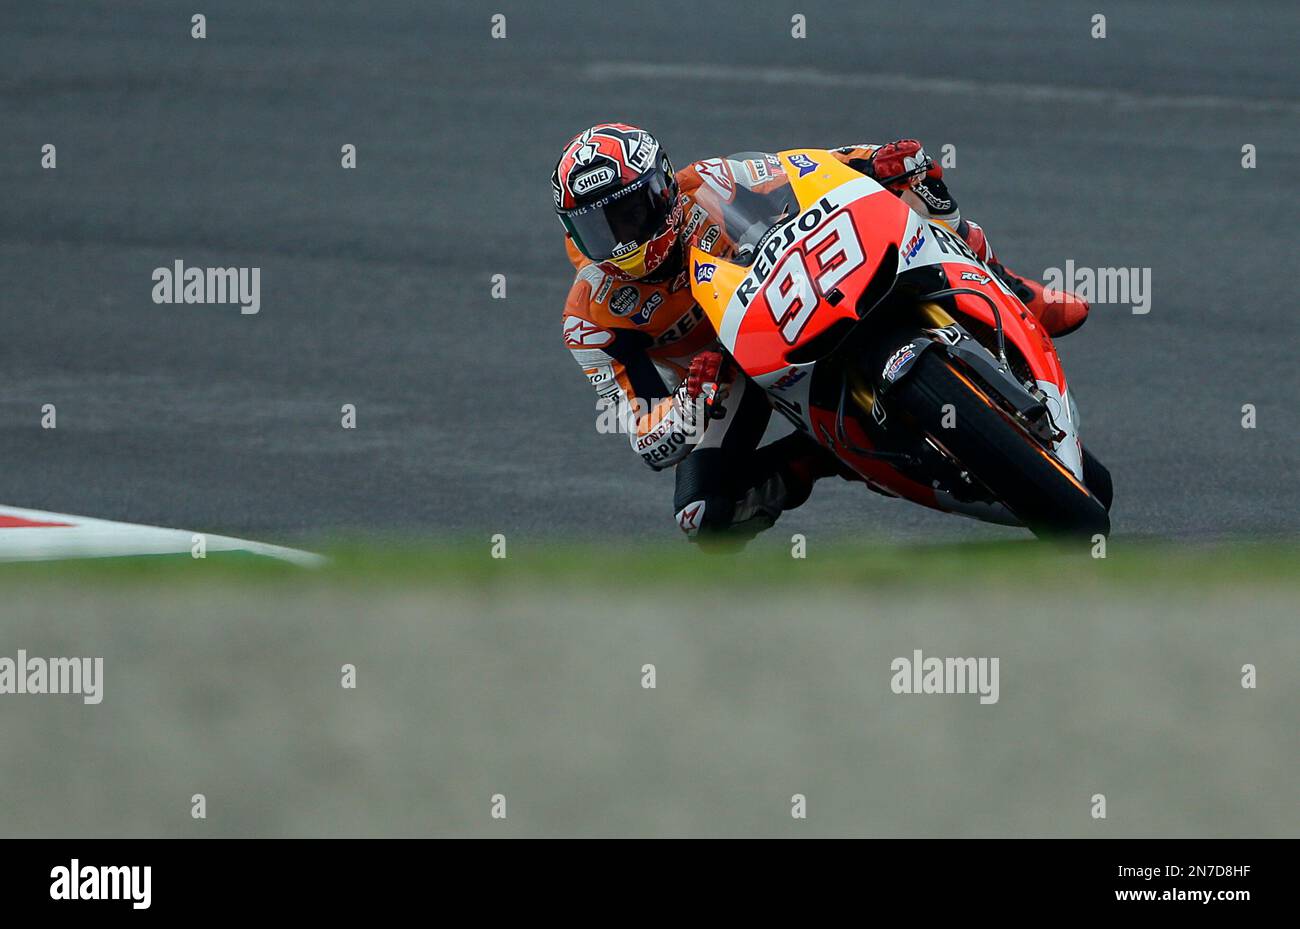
(997, 452)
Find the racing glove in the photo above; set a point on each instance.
(667, 433)
(902, 164)
(904, 168)
(705, 378)
(706, 368)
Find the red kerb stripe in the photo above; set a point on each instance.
(17, 522)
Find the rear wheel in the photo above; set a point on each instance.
(996, 451)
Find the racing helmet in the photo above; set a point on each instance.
(617, 199)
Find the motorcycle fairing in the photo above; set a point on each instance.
(785, 297)
(806, 275)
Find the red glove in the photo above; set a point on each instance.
(901, 157)
(706, 368)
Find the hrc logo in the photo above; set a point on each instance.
(913, 246)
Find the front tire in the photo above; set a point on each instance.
(1029, 480)
(1097, 477)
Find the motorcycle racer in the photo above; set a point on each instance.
(645, 345)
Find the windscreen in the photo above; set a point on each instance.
(755, 209)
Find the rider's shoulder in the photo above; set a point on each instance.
(588, 293)
(722, 174)
(584, 326)
(613, 304)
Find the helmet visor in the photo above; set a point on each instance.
(617, 224)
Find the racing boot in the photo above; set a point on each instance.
(721, 508)
(1060, 312)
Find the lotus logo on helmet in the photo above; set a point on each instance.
(704, 271)
(599, 177)
(641, 152)
(622, 248)
(639, 147)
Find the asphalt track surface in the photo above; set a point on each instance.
(472, 418)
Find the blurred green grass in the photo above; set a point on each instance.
(469, 564)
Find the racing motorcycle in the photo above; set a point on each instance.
(882, 336)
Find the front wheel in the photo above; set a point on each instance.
(1043, 493)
